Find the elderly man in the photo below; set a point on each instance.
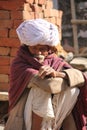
(45, 83)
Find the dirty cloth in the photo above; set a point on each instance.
(53, 110)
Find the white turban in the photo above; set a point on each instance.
(38, 31)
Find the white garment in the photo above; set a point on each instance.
(53, 110)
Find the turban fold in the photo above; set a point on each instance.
(38, 31)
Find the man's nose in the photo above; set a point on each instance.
(38, 52)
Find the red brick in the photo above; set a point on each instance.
(38, 15)
(16, 15)
(13, 51)
(17, 23)
(52, 20)
(43, 7)
(30, 1)
(59, 13)
(41, 2)
(4, 51)
(4, 60)
(6, 23)
(49, 4)
(4, 87)
(19, 0)
(4, 14)
(36, 1)
(9, 42)
(52, 12)
(27, 7)
(37, 9)
(48, 13)
(56, 13)
(3, 32)
(4, 78)
(58, 22)
(4, 69)
(28, 15)
(12, 33)
(48, 19)
(12, 5)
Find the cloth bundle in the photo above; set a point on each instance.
(38, 31)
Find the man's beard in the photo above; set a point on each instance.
(40, 58)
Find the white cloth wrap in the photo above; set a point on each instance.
(53, 110)
(38, 31)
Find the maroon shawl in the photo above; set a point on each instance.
(80, 109)
(24, 66)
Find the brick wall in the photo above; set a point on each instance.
(12, 13)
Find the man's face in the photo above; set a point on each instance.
(39, 50)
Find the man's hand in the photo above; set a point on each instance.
(49, 71)
(46, 71)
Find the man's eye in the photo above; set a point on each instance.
(43, 49)
(34, 49)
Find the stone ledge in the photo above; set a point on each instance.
(3, 96)
(1, 127)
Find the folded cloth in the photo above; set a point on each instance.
(75, 77)
(52, 85)
(56, 85)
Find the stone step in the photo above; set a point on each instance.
(3, 96)
(1, 127)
